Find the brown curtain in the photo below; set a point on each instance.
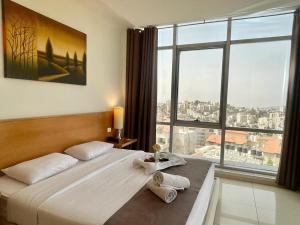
(289, 171)
(141, 86)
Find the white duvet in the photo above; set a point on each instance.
(90, 193)
(87, 194)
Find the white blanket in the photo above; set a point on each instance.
(90, 193)
(102, 185)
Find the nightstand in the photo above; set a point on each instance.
(124, 142)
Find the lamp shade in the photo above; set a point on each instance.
(118, 117)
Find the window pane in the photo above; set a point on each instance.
(199, 88)
(196, 142)
(163, 137)
(164, 82)
(253, 150)
(165, 36)
(262, 27)
(202, 33)
(257, 88)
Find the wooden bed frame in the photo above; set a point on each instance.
(29, 138)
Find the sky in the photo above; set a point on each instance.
(258, 73)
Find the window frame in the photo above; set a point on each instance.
(226, 45)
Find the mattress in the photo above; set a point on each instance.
(76, 194)
(9, 186)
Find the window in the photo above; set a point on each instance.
(197, 142)
(199, 86)
(163, 137)
(227, 100)
(164, 81)
(258, 151)
(202, 32)
(257, 86)
(165, 36)
(262, 27)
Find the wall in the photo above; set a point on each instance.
(106, 39)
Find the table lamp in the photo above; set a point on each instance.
(118, 120)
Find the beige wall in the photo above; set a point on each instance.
(106, 39)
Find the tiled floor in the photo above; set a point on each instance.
(243, 203)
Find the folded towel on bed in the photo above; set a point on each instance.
(167, 194)
(169, 180)
(149, 167)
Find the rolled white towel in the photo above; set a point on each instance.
(149, 167)
(167, 194)
(175, 181)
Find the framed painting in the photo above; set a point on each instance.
(39, 48)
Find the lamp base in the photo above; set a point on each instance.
(118, 134)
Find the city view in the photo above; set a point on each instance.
(270, 118)
(255, 89)
(243, 149)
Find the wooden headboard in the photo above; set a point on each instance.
(25, 139)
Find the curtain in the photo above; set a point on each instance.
(141, 86)
(289, 171)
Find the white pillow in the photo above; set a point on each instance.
(89, 150)
(32, 171)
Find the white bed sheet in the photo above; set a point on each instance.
(59, 200)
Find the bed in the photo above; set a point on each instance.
(92, 192)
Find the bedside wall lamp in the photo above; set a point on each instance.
(118, 120)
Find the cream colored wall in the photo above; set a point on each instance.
(106, 39)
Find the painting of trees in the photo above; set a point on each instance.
(21, 39)
(39, 48)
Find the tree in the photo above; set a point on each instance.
(49, 51)
(21, 41)
(67, 60)
(75, 59)
(84, 62)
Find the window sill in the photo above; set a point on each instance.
(246, 176)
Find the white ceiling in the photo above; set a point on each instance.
(162, 12)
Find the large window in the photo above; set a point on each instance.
(222, 90)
